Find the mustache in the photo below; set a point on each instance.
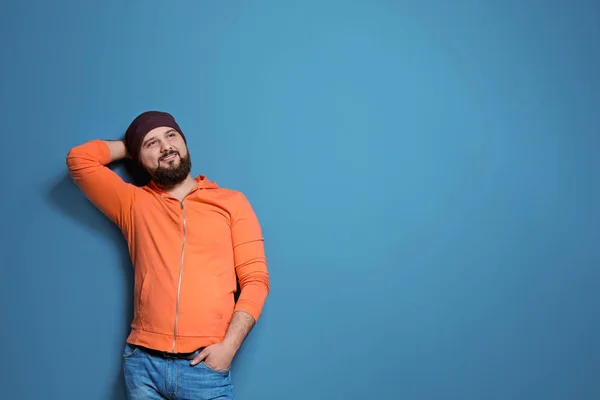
(167, 154)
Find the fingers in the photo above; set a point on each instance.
(199, 357)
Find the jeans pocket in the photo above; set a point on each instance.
(129, 350)
(211, 369)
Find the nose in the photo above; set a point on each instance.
(165, 146)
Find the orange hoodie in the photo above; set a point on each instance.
(186, 255)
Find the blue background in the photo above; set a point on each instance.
(426, 174)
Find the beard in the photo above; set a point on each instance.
(172, 174)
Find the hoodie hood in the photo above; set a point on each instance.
(202, 182)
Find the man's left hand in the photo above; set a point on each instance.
(217, 356)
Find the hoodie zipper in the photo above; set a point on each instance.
(180, 269)
(180, 275)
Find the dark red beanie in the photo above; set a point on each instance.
(144, 123)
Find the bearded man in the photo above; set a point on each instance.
(191, 242)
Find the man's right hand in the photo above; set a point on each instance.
(118, 150)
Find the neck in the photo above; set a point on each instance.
(182, 187)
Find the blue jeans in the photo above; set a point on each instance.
(151, 377)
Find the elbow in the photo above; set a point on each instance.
(83, 157)
(71, 154)
(72, 159)
(74, 156)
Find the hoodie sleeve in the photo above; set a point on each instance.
(250, 260)
(102, 186)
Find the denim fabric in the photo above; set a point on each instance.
(149, 377)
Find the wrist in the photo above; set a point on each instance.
(230, 345)
(117, 148)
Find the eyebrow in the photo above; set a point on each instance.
(154, 137)
(148, 140)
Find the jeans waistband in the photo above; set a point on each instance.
(166, 354)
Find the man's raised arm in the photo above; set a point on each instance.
(87, 165)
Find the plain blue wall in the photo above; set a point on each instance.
(426, 174)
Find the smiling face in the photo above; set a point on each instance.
(165, 156)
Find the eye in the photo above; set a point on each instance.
(172, 134)
(152, 143)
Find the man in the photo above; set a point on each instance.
(188, 240)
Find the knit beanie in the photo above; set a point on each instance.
(144, 123)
